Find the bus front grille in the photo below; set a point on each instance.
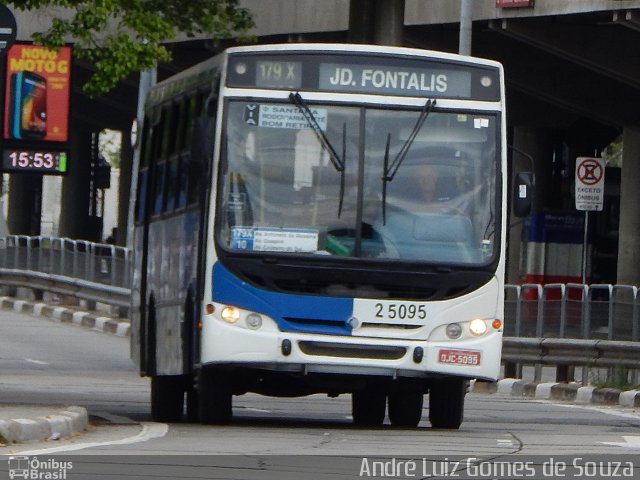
(329, 349)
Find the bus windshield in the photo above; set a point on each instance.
(383, 184)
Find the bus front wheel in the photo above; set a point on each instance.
(368, 407)
(446, 403)
(167, 398)
(214, 397)
(405, 408)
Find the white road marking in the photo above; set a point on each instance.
(607, 410)
(37, 362)
(259, 410)
(630, 441)
(504, 443)
(150, 430)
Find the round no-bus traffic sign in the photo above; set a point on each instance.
(590, 183)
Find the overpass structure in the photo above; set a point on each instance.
(573, 89)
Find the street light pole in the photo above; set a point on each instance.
(466, 20)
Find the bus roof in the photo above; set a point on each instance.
(362, 48)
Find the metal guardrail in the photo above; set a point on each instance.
(567, 353)
(87, 270)
(566, 325)
(599, 311)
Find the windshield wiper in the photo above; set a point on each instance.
(337, 161)
(390, 170)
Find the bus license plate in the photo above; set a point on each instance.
(459, 357)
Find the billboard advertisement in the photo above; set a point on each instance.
(37, 93)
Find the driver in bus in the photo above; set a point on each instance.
(432, 186)
(427, 180)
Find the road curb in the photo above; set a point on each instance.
(121, 328)
(567, 392)
(59, 424)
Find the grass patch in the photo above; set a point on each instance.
(616, 377)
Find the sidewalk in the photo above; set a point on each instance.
(66, 314)
(26, 423)
(563, 392)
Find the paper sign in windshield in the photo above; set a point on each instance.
(274, 239)
(283, 116)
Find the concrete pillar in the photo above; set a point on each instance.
(537, 143)
(629, 229)
(389, 22)
(75, 221)
(379, 22)
(361, 13)
(25, 204)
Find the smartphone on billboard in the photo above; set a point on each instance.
(28, 113)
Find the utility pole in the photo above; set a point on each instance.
(466, 21)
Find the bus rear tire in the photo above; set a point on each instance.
(405, 408)
(193, 412)
(215, 397)
(368, 408)
(167, 398)
(446, 403)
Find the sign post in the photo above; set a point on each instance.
(8, 30)
(589, 192)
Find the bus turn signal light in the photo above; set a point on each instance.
(497, 324)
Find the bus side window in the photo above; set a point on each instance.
(159, 188)
(171, 185)
(202, 142)
(194, 109)
(156, 170)
(186, 114)
(143, 174)
(183, 186)
(195, 162)
(183, 122)
(173, 131)
(141, 198)
(167, 132)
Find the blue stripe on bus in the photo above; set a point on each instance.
(292, 313)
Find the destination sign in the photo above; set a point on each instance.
(394, 80)
(407, 76)
(278, 74)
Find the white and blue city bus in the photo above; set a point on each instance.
(285, 242)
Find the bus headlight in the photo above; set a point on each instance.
(454, 330)
(230, 314)
(253, 321)
(477, 327)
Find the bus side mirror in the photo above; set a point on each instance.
(523, 190)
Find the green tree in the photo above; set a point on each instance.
(120, 37)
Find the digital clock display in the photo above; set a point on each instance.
(44, 161)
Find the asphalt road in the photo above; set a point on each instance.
(47, 363)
